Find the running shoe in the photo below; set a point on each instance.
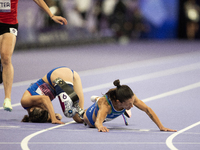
(7, 105)
(93, 98)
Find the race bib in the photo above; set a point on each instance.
(13, 31)
(5, 5)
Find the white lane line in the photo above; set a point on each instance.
(9, 143)
(147, 76)
(24, 143)
(85, 143)
(111, 143)
(13, 105)
(99, 143)
(171, 137)
(176, 91)
(142, 63)
(187, 143)
(22, 83)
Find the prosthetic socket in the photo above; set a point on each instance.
(68, 98)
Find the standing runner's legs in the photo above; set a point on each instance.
(7, 43)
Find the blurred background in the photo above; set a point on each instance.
(100, 21)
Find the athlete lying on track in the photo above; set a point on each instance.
(113, 104)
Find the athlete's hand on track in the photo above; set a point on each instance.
(57, 122)
(103, 129)
(167, 129)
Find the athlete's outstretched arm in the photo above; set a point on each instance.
(142, 106)
(57, 19)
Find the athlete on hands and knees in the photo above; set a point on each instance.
(8, 33)
(62, 82)
(113, 104)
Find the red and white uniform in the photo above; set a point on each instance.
(8, 11)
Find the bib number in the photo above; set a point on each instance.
(5, 5)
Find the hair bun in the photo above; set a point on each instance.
(117, 83)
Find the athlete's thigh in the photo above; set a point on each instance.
(8, 41)
(64, 73)
(1, 37)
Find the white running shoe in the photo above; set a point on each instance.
(93, 98)
(7, 105)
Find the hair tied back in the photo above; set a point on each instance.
(117, 83)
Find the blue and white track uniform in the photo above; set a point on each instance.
(95, 108)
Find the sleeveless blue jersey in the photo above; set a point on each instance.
(95, 108)
(114, 113)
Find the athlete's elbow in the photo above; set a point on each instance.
(147, 110)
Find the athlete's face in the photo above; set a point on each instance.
(128, 104)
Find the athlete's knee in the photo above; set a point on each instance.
(5, 60)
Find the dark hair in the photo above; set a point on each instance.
(37, 115)
(121, 92)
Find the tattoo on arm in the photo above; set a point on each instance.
(150, 115)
